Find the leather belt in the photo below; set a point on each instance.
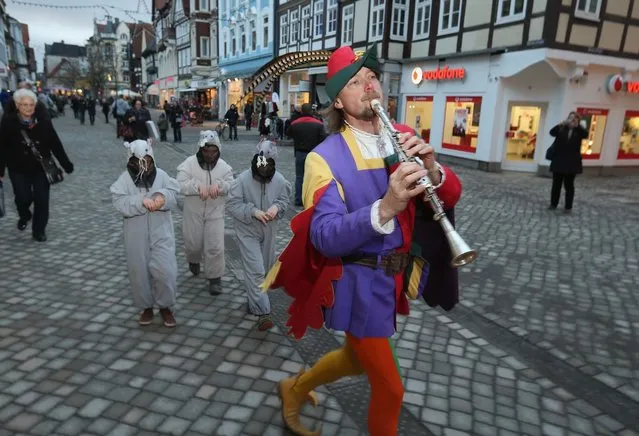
(392, 264)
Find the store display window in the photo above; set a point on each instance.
(629, 141)
(521, 136)
(596, 125)
(419, 114)
(461, 123)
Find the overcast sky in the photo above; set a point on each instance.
(74, 26)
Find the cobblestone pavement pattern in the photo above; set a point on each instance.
(544, 342)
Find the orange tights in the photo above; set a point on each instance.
(376, 358)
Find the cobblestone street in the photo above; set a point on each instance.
(544, 341)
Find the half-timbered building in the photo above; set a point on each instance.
(485, 80)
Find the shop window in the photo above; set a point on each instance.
(629, 141)
(596, 126)
(521, 135)
(418, 115)
(461, 123)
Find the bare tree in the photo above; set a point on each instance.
(70, 75)
(102, 65)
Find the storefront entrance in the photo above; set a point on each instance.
(524, 123)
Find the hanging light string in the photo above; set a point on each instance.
(141, 5)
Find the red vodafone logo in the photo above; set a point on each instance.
(446, 73)
(417, 76)
(616, 83)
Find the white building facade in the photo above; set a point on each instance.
(482, 104)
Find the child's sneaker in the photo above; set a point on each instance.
(264, 323)
(167, 317)
(146, 317)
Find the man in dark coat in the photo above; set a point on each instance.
(307, 132)
(566, 158)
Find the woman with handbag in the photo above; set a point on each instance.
(565, 158)
(27, 145)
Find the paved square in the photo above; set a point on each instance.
(543, 343)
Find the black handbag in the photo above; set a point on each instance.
(51, 170)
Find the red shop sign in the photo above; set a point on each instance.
(420, 98)
(591, 111)
(418, 75)
(632, 114)
(461, 100)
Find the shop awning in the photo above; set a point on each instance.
(153, 90)
(187, 90)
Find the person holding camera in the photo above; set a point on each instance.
(565, 158)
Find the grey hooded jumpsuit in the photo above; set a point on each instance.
(256, 240)
(149, 239)
(203, 221)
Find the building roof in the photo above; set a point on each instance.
(65, 50)
(25, 33)
(142, 30)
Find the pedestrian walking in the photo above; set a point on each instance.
(258, 200)
(565, 158)
(232, 116)
(346, 265)
(163, 125)
(307, 132)
(28, 178)
(205, 181)
(145, 196)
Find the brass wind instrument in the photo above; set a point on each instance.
(462, 253)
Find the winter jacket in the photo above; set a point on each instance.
(307, 132)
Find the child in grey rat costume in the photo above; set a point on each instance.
(145, 195)
(258, 200)
(205, 180)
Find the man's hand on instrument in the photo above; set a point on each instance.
(416, 146)
(402, 188)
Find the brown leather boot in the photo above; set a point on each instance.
(292, 403)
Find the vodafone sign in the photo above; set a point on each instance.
(616, 83)
(418, 75)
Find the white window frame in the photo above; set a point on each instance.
(205, 41)
(203, 5)
(331, 18)
(306, 23)
(266, 32)
(583, 13)
(450, 12)
(318, 19)
(399, 20)
(378, 9)
(253, 32)
(284, 30)
(419, 30)
(511, 16)
(348, 21)
(294, 25)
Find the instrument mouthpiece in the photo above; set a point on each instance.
(375, 104)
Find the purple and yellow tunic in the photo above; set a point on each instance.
(340, 187)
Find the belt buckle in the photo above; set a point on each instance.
(394, 263)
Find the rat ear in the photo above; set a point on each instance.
(127, 145)
(149, 141)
